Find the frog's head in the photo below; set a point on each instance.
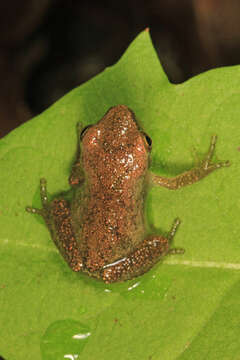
(115, 148)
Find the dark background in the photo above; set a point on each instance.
(48, 47)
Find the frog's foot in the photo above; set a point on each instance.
(58, 220)
(44, 200)
(206, 164)
(172, 232)
(148, 253)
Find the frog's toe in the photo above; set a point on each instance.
(33, 210)
(224, 164)
(43, 194)
(176, 251)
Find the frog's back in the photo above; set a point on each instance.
(112, 226)
(114, 159)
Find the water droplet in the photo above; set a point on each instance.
(64, 339)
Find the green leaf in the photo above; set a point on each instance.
(185, 308)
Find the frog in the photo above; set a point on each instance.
(102, 230)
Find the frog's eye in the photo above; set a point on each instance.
(84, 130)
(148, 140)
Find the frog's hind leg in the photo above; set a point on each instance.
(148, 253)
(57, 217)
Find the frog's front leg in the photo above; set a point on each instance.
(193, 175)
(148, 253)
(77, 175)
(58, 220)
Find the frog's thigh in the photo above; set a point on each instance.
(148, 253)
(59, 222)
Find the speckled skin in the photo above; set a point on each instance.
(102, 232)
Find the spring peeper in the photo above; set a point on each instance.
(102, 231)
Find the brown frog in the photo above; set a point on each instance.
(102, 231)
